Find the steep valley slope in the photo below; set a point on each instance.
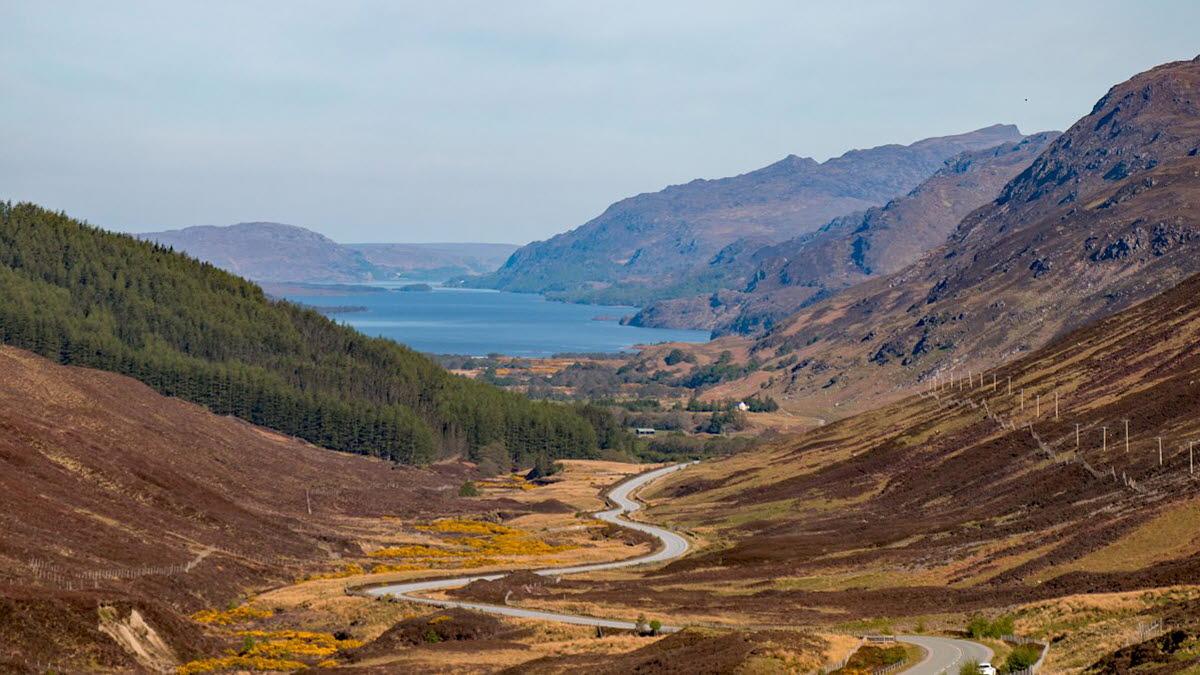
(766, 285)
(1106, 217)
(642, 247)
(960, 499)
(113, 496)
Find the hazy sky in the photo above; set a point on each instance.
(511, 121)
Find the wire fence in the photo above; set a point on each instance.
(81, 579)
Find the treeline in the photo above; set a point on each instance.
(754, 404)
(84, 296)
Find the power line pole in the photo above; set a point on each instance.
(1160, 451)
(1127, 437)
(1055, 405)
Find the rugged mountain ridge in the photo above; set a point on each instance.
(779, 279)
(639, 247)
(1104, 218)
(275, 252)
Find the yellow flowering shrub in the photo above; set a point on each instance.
(465, 526)
(225, 617)
(347, 570)
(412, 551)
(228, 663)
(295, 643)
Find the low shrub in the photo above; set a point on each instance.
(1021, 657)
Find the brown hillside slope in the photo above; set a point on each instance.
(639, 246)
(100, 474)
(1108, 216)
(960, 499)
(775, 281)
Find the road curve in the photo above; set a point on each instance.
(672, 546)
(943, 655)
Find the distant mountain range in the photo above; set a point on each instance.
(770, 283)
(275, 252)
(1104, 218)
(646, 248)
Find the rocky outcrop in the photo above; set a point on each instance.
(1104, 218)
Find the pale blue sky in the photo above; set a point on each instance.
(512, 121)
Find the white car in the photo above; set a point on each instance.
(986, 668)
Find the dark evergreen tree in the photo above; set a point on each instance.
(83, 296)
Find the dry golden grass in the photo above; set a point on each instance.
(408, 550)
(1086, 627)
(1172, 534)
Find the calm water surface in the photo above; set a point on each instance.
(477, 322)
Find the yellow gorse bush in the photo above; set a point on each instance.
(227, 616)
(228, 663)
(486, 539)
(465, 526)
(347, 570)
(295, 643)
(412, 551)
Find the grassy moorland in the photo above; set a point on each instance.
(961, 499)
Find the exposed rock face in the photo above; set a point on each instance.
(641, 247)
(780, 279)
(1106, 217)
(274, 252)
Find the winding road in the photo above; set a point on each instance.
(943, 655)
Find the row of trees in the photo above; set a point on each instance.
(83, 296)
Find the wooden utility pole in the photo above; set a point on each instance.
(308, 501)
(993, 382)
(1039, 407)
(1160, 450)
(1127, 437)
(1010, 385)
(1076, 435)
(1104, 435)
(1056, 405)
(1022, 400)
